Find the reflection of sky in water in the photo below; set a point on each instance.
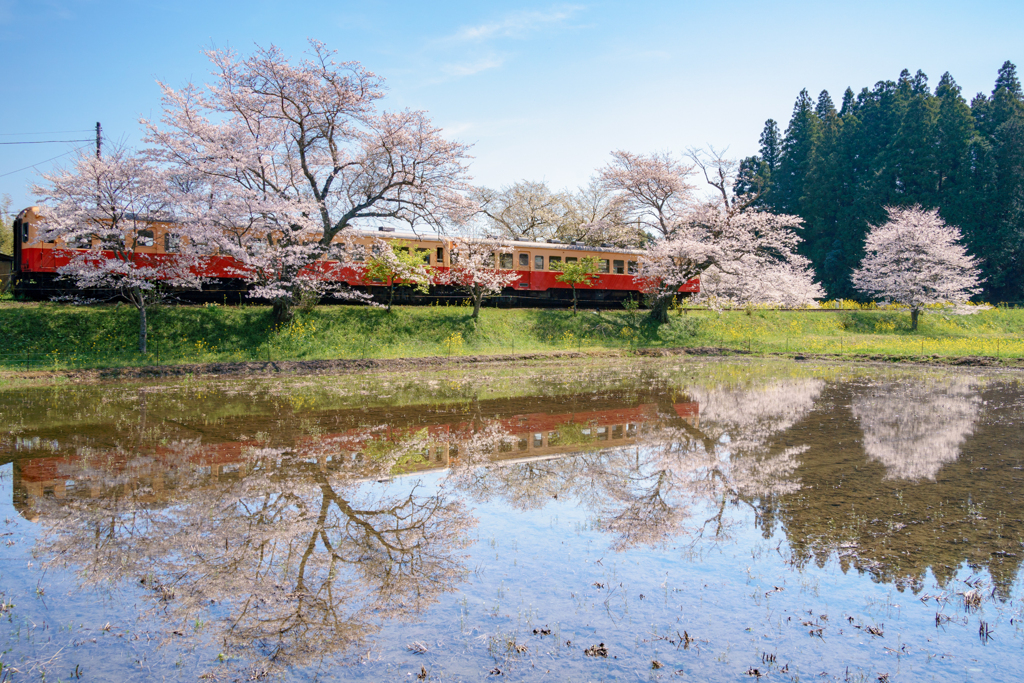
(914, 428)
(710, 527)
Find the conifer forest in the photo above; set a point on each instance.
(900, 143)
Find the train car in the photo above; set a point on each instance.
(537, 265)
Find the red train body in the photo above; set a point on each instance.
(36, 266)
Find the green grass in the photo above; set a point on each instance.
(60, 336)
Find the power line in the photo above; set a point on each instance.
(3, 175)
(40, 142)
(53, 132)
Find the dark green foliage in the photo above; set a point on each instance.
(797, 156)
(899, 143)
(771, 144)
(752, 177)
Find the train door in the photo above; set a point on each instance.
(523, 269)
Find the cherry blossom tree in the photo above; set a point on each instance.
(744, 255)
(474, 271)
(288, 157)
(747, 256)
(101, 213)
(525, 210)
(915, 259)
(6, 226)
(653, 190)
(595, 216)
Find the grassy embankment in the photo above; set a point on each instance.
(57, 336)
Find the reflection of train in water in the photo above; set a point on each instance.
(151, 471)
(537, 264)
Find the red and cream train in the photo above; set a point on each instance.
(537, 265)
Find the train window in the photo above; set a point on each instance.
(538, 263)
(23, 227)
(506, 261)
(401, 250)
(489, 260)
(113, 241)
(554, 263)
(632, 268)
(571, 259)
(523, 444)
(144, 238)
(602, 433)
(424, 254)
(617, 432)
(440, 256)
(618, 267)
(538, 439)
(524, 261)
(602, 265)
(172, 243)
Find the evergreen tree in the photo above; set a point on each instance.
(752, 177)
(899, 144)
(849, 103)
(1007, 80)
(1005, 258)
(825, 106)
(797, 155)
(954, 135)
(827, 191)
(909, 161)
(771, 144)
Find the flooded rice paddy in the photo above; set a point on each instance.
(628, 520)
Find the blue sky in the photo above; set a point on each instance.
(543, 91)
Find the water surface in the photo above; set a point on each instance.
(640, 520)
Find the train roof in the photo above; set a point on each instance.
(522, 244)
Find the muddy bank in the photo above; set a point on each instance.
(330, 367)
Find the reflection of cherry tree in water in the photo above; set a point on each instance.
(301, 561)
(646, 494)
(914, 428)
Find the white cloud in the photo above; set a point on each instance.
(473, 67)
(514, 25)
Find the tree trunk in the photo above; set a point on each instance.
(659, 310)
(574, 299)
(143, 330)
(913, 319)
(284, 310)
(478, 299)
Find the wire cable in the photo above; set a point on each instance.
(4, 175)
(39, 142)
(54, 132)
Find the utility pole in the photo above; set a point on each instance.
(99, 139)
